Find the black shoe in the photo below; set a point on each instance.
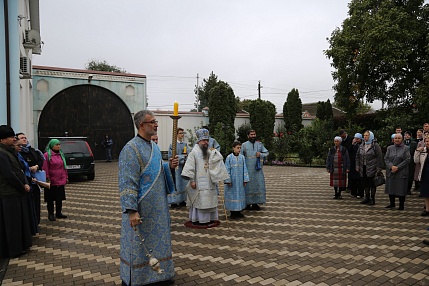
(162, 283)
(51, 217)
(233, 215)
(335, 197)
(401, 208)
(365, 201)
(371, 202)
(389, 206)
(255, 207)
(425, 242)
(182, 204)
(60, 215)
(236, 215)
(174, 206)
(424, 213)
(248, 208)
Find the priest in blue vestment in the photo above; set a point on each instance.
(178, 197)
(254, 152)
(144, 182)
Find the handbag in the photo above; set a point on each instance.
(258, 164)
(379, 179)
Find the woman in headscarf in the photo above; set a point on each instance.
(369, 161)
(420, 157)
(56, 173)
(338, 165)
(34, 225)
(397, 161)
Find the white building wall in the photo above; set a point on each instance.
(191, 120)
(21, 105)
(25, 86)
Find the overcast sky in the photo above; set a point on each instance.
(279, 42)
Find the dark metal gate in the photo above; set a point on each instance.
(89, 111)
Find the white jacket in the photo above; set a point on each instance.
(420, 158)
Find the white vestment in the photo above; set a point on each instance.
(205, 172)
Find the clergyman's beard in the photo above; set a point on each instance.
(204, 149)
(253, 140)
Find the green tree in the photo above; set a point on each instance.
(242, 132)
(222, 110)
(421, 104)
(102, 65)
(379, 53)
(315, 146)
(244, 104)
(202, 92)
(262, 119)
(292, 112)
(281, 144)
(324, 110)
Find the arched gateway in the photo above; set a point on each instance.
(90, 111)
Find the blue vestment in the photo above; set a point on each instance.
(179, 195)
(255, 189)
(235, 195)
(144, 181)
(213, 144)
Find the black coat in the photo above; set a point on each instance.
(353, 174)
(347, 142)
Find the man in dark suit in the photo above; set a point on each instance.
(347, 140)
(346, 143)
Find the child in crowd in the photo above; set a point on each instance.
(235, 196)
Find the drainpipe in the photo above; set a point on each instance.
(7, 52)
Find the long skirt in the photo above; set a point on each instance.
(15, 233)
(55, 193)
(424, 185)
(34, 221)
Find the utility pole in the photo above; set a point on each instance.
(259, 89)
(198, 93)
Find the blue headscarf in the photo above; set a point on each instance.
(371, 138)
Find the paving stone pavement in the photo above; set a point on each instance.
(300, 237)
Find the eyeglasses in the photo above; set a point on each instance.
(151, 122)
(181, 133)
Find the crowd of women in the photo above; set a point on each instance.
(22, 169)
(356, 164)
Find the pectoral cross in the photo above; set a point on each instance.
(206, 166)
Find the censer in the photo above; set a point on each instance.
(153, 262)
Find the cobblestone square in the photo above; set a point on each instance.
(300, 237)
